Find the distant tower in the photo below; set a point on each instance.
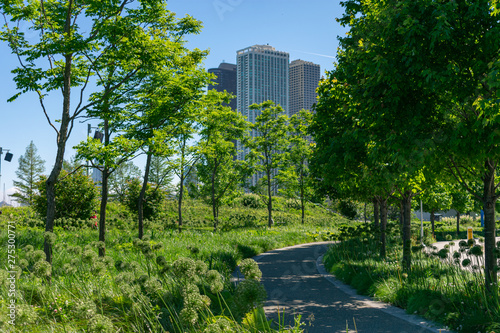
(262, 76)
(226, 80)
(304, 79)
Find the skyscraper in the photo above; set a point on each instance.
(304, 79)
(262, 75)
(226, 80)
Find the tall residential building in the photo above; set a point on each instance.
(226, 80)
(304, 79)
(262, 75)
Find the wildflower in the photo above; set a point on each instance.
(36, 256)
(50, 237)
(89, 256)
(100, 323)
(466, 262)
(161, 261)
(42, 268)
(250, 270)
(184, 268)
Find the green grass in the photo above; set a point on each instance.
(163, 283)
(436, 288)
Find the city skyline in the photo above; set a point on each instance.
(305, 30)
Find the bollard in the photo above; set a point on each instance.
(469, 233)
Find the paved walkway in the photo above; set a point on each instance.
(297, 283)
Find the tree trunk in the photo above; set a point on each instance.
(102, 213)
(181, 192)
(62, 137)
(432, 223)
(364, 216)
(302, 201)
(375, 214)
(406, 203)
(383, 227)
(270, 202)
(458, 223)
(142, 195)
(489, 201)
(401, 215)
(214, 204)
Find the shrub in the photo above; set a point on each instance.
(252, 201)
(154, 199)
(347, 209)
(76, 196)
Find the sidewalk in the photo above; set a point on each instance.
(297, 284)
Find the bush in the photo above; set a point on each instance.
(76, 196)
(252, 201)
(154, 199)
(348, 209)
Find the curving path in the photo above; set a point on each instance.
(297, 284)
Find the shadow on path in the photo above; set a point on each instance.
(296, 287)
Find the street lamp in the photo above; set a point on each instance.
(8, 158)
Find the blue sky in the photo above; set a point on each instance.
(305, 29)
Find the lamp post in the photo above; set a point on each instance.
(89, 131)
(8, 158)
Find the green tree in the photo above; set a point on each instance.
(436, 196)
(153, 201)
(218, 170)
(268, 149)
(31, 167)
(161, 174)
(296, 178)
(447, 52)
(73, 42)
(166, 109)
(155, 38)
(76, 196)
(461, 202)
(118, 180)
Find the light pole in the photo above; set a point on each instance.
(8, 158)
(89, 131)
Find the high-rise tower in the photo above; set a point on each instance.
(262, 74)
(304, 79)
(226, 80)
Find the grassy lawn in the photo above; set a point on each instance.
(169, 281)
(436, 288)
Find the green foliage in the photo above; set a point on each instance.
(76, 196)
(153, 200)
(31, 167)
(118, 180)
(347, 208)
(436, 288)
(169, 281)
(252, 201)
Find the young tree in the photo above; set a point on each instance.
(74, 42)
(218, 170)
(76, 196)
(31, 167)
(123, 174)
(160, 173)
(461, 201)
(296, 178)
(268, 148)
(168, 110)
(435, 196)
(156, 41)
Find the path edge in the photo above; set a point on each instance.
(384, 307)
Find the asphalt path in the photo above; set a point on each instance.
(297, 284)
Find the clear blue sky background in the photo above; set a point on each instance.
(305, 29)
